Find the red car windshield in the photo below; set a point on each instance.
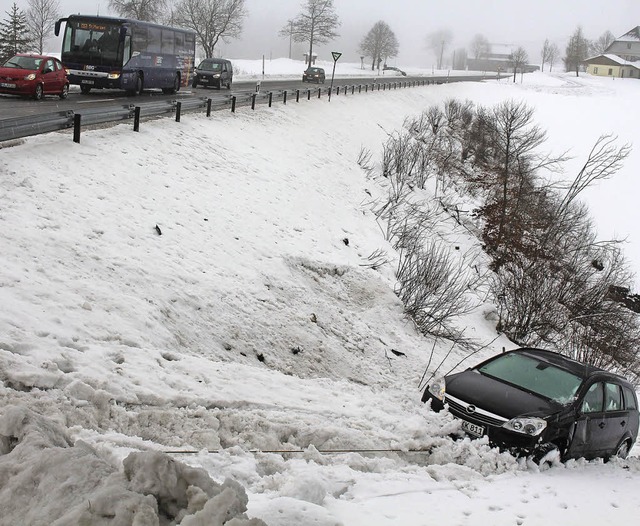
(19, 62)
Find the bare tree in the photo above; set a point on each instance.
(149, 10)
(576, 51)
(379, 43)
(518, 60)
(599, 46)
(480, 46)
(212, 20)
(316, 24)
(41, 17)
(554, 53)
(438, 42)
(546, 52)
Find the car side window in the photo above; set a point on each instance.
(629, 399)
(613, 397)
(48, 67)
(594, 399)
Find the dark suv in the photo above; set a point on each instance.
(215, 72)
(313, 75)
(532, 401)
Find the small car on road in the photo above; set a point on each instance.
(533, 402)
(34, 76)
(214, 72)
(313, 75)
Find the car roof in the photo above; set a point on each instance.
(584, 370)
(33, 55)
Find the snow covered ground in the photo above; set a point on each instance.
(190, 312)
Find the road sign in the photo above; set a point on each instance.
(336, 55)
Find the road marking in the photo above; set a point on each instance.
(91, 101)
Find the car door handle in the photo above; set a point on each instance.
(601, 425)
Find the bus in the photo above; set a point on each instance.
(118, 53)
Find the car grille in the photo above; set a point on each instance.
(473, 413)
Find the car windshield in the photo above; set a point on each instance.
(534, 375)
(210, 66)
(30, 63)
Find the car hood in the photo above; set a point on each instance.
(16, 72)
(498, 397)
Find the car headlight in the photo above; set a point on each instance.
(31, 76)
(114, 75)
(437, 388)
(526, 426)
(216, 76)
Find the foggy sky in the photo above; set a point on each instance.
(515, 22)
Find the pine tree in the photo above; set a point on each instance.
(14, 34)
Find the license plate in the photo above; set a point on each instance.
(86, 82)
(7, 85)
(473, 429)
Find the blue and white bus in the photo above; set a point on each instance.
(119, 53)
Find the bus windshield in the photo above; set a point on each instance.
(97, 43)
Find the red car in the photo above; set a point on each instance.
(34, 76)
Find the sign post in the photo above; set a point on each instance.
(335, 56)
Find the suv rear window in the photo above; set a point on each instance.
(629, 399)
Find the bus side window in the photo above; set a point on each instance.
(127, 50)
(167, 41)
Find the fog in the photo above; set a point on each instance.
(512, 22)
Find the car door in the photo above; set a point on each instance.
(616, 417)
(61, 75)
(590, 436)
(50, 81)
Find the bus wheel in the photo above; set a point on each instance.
(85, 89)
(139, 86)
(175, 88)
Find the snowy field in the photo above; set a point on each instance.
(191, 327)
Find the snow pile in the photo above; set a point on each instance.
(43, 474)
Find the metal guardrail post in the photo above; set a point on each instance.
(309, 94)
(136, 119)
(77, 121)
(178, 110)
(270, 98)
(345, 89)
(233, 104)
(319, 92)
(297, 95)
(209, 107)
(253, 101)
(284, 97)
(353, 89)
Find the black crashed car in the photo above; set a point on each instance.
(313, 75)
(532, 402)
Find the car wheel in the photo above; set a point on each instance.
(65, 91)
(623, 450)
(139, 85)
(85, 89)
(546, 453)
(39, 92)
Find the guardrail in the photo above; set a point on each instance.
(19, 127)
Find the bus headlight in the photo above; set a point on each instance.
(31, 76)
(114, 75)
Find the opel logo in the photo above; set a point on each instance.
(471, 408)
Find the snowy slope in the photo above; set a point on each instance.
(252, 322)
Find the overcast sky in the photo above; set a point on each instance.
(517, 22)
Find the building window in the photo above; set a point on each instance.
(595, 70)
(610, 71)
(629, 45)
